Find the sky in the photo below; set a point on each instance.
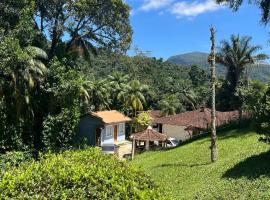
(169, 27)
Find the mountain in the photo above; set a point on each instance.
(259, 72)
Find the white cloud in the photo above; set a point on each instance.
(179, 8)
(185, 9)
(154, 4)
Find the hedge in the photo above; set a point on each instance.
(13, 158)
(77, 174)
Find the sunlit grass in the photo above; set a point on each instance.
(241, 172)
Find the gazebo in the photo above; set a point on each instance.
(147, 136)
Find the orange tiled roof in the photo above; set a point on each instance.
(110, 117)
(200, 119)
(154, 114)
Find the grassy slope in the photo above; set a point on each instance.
(242, 171)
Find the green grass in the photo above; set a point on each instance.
(241, 172)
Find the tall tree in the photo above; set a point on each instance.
(88, 24)
(169, 105)
(133, 96)
(100, 94)
(213, 97)
(118, 82)
(237, 55)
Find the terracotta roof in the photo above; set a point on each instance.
(149, 134)
(110, 117)
(199, 119)
(154, 114)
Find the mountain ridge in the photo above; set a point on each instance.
(261, 73)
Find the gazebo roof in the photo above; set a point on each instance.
(149, 135)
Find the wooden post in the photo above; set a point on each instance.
(147, 145)
(133, 149)
(213, 97)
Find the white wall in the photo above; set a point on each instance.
(177, 132)
(121, 135)
(105, 137)
(109, 137)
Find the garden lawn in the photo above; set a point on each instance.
(241, 172)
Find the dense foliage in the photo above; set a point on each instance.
(236, 55)
(85, 174)
(262, 115)
(43, 89)
(142, 121)
(62, 59)
(13, 159)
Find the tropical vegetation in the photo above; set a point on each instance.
(62, 59)
(84, 174)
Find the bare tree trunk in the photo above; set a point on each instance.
(246, 77)
(213, 97)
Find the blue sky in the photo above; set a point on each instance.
(171, 27)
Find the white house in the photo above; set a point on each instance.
(104, 128)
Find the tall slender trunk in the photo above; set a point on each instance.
(246, 77)
(213, 97)
(54, 39)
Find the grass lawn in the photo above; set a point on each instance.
(241, 172)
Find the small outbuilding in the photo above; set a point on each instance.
(147, 136)
(103, 128)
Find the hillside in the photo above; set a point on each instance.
(241, 172)
(260, 72)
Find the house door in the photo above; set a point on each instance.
(98, 137)
(115, 133)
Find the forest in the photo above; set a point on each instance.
(62, 59)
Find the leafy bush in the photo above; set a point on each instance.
(261, 116)
(142, 121)
(13, 159)
(59, 130)
(84, 174)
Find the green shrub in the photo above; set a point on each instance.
(77, 174)
(13, 159)
(59, 130)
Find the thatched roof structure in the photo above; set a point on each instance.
(149, 135)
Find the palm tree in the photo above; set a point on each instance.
(169, 105)
(213, 97)
(100, 94)
(36, 69)
(237, 55)
(133, 96)
(80, 47)
(25, 79)
(118, 82)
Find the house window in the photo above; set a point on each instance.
(155, 125)
(109, 131)
(121, 129)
